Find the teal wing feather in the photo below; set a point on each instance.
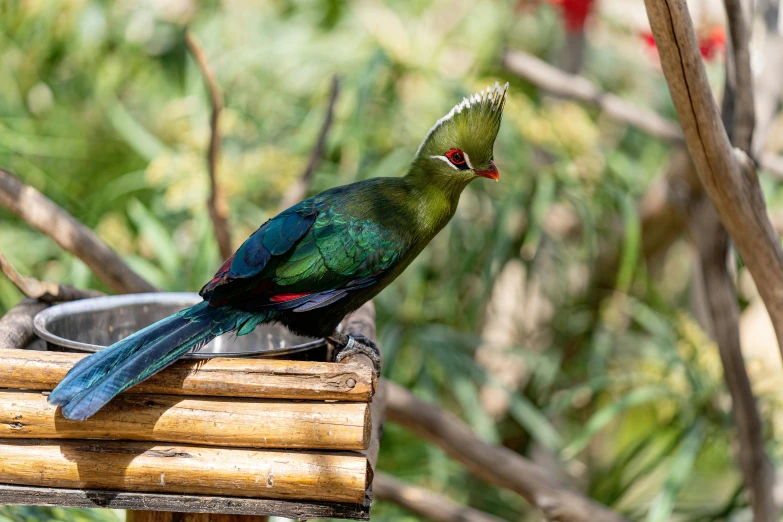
(305, 258)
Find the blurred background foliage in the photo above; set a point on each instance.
(620, 392)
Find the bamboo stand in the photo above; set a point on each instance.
(223, 440)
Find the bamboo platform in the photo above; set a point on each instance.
(226, 436)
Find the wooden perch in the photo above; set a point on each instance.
(46, 291)
(41, 213)
(727, 174)
(426, 503)
(361, 322)
(496, 464)
(144, 466)
(217, 204)
(214, 422)
(221, 377)
(298, 190)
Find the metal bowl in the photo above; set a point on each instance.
(90, 325)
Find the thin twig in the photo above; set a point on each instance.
(46, 291)
(496, 464)
(579, 88)
(575, 87)
(727, 174)
(425, 503)
(41, 213)
(297, 191)
(217, 204)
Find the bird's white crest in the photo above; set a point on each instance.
(494, 94)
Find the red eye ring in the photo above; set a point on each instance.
(456, 157)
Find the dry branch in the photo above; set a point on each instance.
(721, 303)
(561, 83)
(217, 204)
(46, 291)
(16, 326)
(298, 190)
(727, 174)
(41, 213)
(712, 243)
(200, 420)
(743, 117)
(426, 503)
(221, 377)
(496, 464)
(145, 466)
(575, 87)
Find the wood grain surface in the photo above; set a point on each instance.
(199, 420)
(256, 378)
(153, 467)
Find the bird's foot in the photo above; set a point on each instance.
(360, 344)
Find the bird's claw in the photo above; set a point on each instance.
(361, 344)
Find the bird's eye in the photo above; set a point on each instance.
(456, 157)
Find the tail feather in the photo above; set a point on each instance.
(95, 380)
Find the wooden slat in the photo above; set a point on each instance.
(219, 422)
(256, 378)
(113, 499)
(168, 516)
(137, 466)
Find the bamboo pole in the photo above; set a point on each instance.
(256, 378)
(139, 466)
(214, 422)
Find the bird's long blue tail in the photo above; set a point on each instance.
(96, 379)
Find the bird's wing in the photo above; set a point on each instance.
(306, 258)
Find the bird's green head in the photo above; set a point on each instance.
(459, 145)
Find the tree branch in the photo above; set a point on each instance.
(424, 502)
(727, 174)
(712, 243)
(575, 87)
(297, 191)
(46, 291)
(41, 213)
(16, 327)
(217, 204)
(740, 79)
(496, 464)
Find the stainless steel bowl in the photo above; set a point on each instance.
(92, 324)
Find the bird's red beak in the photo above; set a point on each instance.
(492, 173)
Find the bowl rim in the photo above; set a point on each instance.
(97, 304)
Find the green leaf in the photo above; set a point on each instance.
(609, 413)
(630, 254)
(155, 233)
(535, 422)
(467, 393)
(663, 505)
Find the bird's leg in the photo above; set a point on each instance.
(356, 344)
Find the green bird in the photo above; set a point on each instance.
(312, 264)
